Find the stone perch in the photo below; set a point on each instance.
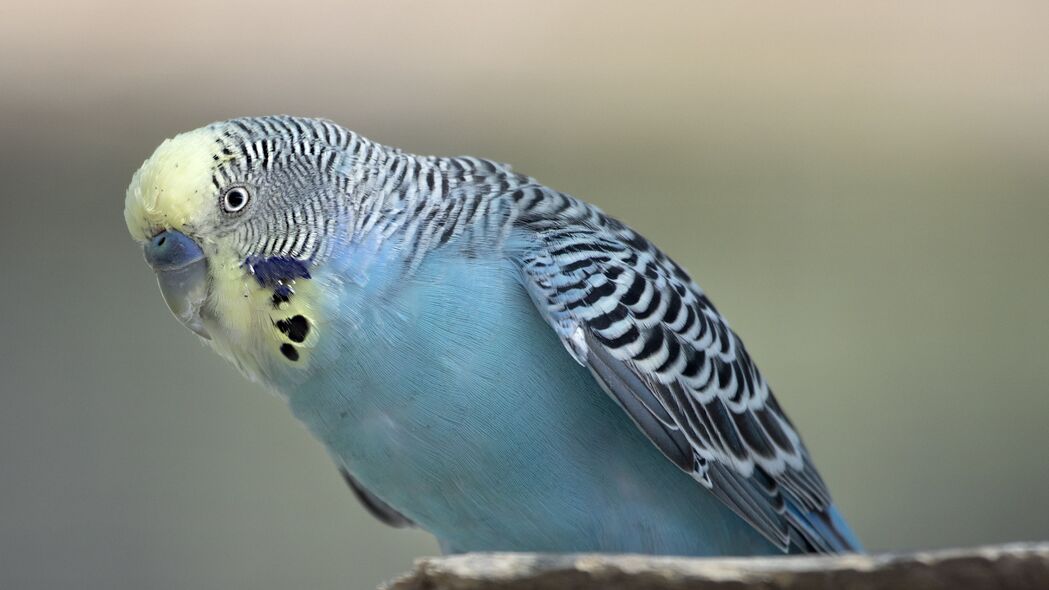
(1015, 566)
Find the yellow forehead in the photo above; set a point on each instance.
(173, 188)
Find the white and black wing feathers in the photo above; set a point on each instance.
(657, 345)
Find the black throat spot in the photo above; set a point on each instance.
(295, 328)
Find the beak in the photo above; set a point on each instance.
(182, 272)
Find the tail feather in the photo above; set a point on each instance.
(823, 531)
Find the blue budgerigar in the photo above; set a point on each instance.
(484, 357)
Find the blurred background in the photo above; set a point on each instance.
(862, 189)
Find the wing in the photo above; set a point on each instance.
(655, 343)
(379, 509)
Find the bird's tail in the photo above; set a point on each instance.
(824, 532)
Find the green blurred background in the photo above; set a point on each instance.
(863, 190)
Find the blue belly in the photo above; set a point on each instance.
(447, 396)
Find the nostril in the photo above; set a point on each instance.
(171, 250)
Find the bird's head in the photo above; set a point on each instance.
(233, 218)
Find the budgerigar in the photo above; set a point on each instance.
(484, 357)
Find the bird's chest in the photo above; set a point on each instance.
(415, 373)
(447, 382)
(450, 398)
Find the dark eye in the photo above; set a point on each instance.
(235, 199)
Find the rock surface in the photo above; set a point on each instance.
(1016, 566)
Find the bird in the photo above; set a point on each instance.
(483, 357)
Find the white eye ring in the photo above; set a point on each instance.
(235, 199)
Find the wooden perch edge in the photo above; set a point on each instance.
(1013, 566)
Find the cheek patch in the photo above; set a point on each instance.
(282, 278)
(281, 294)
(276, 271)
